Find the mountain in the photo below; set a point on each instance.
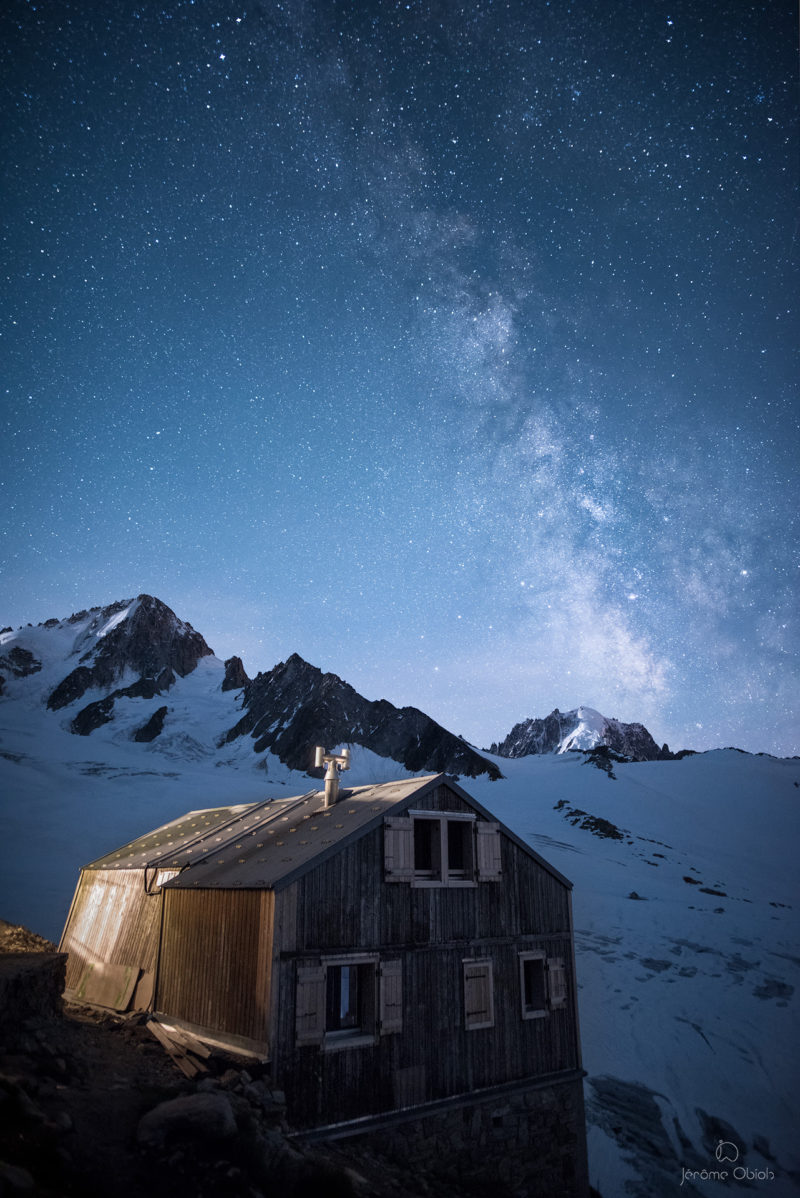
(685, 879)
(584, 729)
(128, 657)
(295, 706)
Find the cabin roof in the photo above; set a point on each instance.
(268, 845)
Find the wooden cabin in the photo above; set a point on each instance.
(396, 953)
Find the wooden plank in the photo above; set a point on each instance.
(108, 985)
(176, 1051)
(186, 1040)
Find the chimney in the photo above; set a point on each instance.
(334, 762)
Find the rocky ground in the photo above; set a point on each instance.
(91, 1105)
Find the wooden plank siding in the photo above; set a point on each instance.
(112, 921)
(345, 905)
(216, 957)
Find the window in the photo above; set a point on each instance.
(428, 848)
(459, 848)
(478, 994)
(345, 986)
(533, 985)
(345, 1002)
(543, 984)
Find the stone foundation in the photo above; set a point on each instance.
(529, 1141)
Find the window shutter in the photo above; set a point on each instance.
(309, 1018)
(478, 995)
(488, 841)
(391, 997)
(557, 981)
(398, 848)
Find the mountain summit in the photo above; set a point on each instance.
(295, 706)
(141, 639)
(132, 668)
(583, 728)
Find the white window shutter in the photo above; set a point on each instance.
(309, 1018)
(398, 848)
(391, 997)
(557, 981)
(488, 850)
(478, 995)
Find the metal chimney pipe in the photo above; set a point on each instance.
(335, 762)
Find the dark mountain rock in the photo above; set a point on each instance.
(235, 677)
(20, 662)
(102, 711)
(150, 641)
(631, 740)
(295, 706)
(152, 728)
(552, 734)
(536, 736)
(93, 716)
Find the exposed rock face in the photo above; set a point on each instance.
(295, 706)
(579, 729)
(149, 641)
(152, 728)
(20, 662)
(235, 677)
(632, 740)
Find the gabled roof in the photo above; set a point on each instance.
(268, 845)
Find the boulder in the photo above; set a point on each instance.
(200, 1116)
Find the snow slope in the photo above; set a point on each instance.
(688, 992)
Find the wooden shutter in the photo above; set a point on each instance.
(478, 995)
(391, 1010)
(488, 847)
(398, 848)
(557, 981)
(309, 1020)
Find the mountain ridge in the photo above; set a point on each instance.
(583, 729)
(137, 649)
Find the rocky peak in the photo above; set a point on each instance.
(141, 636)
(581, 729)
(294, 707)
(235, 677)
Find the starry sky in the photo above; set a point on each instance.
(450, 345)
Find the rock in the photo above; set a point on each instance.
(192, 1117)
(152, 728)
(150, 640)
(552, 735)
(235, 677)
(20, 662)
(294, 707)
(31, 985)
(14, 1179)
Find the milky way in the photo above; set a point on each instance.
(451, 346)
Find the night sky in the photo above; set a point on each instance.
(452, 346)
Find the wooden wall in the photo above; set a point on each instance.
(113, 921)
(215, 960)
(345, 904)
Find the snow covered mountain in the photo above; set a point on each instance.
(295, 706)
(584, 728)
(684, 872)
(121, 666)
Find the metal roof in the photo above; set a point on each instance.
(188, 838)
(290, 837)
(264, 845)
